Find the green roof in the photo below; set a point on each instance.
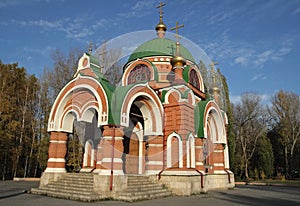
(117, 102)
(199, 117)
(159, 47)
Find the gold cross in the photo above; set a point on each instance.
(176, 28)
(161, 4)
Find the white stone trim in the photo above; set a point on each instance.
(180, 173)
(219, 164)
(218, 151)
(55, 170)
(155, 145)
(110, 138)
(199, 163)
(154, 163)
(58, 141)
(198, 147)
(108, 172)
(52, 159)
(108, 159)
(220, 172)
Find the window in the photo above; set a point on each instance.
(139, 73)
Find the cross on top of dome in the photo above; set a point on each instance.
(161, 28)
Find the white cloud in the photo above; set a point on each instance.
(141, 8)
(265, 98)
(141, 5)
(72, 28)
(6, 3)
(258, 77)
(296, 11)
(242, 60)
(235, 99)
(244, 54)
(38, 51)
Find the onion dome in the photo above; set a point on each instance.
(178, 61)
(161, 26)
(160, 47)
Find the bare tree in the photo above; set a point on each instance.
(285, 113)
(111, 63)
(250, 125)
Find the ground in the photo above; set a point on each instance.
(12, 193)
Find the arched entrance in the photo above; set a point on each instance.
(134, 152)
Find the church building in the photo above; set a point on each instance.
(159, 123)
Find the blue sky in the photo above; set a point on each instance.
(256, 43)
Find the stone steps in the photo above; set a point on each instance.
(66, 195)
(74, 186)
(141, 188)
(78, 186)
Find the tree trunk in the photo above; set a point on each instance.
(246, 170)
(286, 161)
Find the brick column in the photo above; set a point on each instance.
(219, 165)
(110, 148)
(57, 152)
(199, 154)
(154, 155)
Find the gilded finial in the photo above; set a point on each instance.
(161, 28)
(177, 27)
(177, 61)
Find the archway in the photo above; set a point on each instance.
(134, 153)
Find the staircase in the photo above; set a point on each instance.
(141, 188)
(74, 186)
(79, 186)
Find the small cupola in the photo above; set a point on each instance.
(161, 28)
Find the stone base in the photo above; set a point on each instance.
(48, 177)
(102, 185)
(185, 184)
(189, 184)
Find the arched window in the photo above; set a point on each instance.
(190, 151)
(174, 151)
(139, 73)
(194, 79)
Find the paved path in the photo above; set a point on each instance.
(12, 194)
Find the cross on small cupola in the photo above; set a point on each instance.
(161, 28)
(177, 61)
(177, 27)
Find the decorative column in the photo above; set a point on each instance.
(57, 152)
(154, 154)
(219, 158)
(199, 158)
(110, 150)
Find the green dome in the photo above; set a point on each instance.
(159, 47)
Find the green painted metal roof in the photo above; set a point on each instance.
(117, 101)
(199, 118)
(159, 47)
